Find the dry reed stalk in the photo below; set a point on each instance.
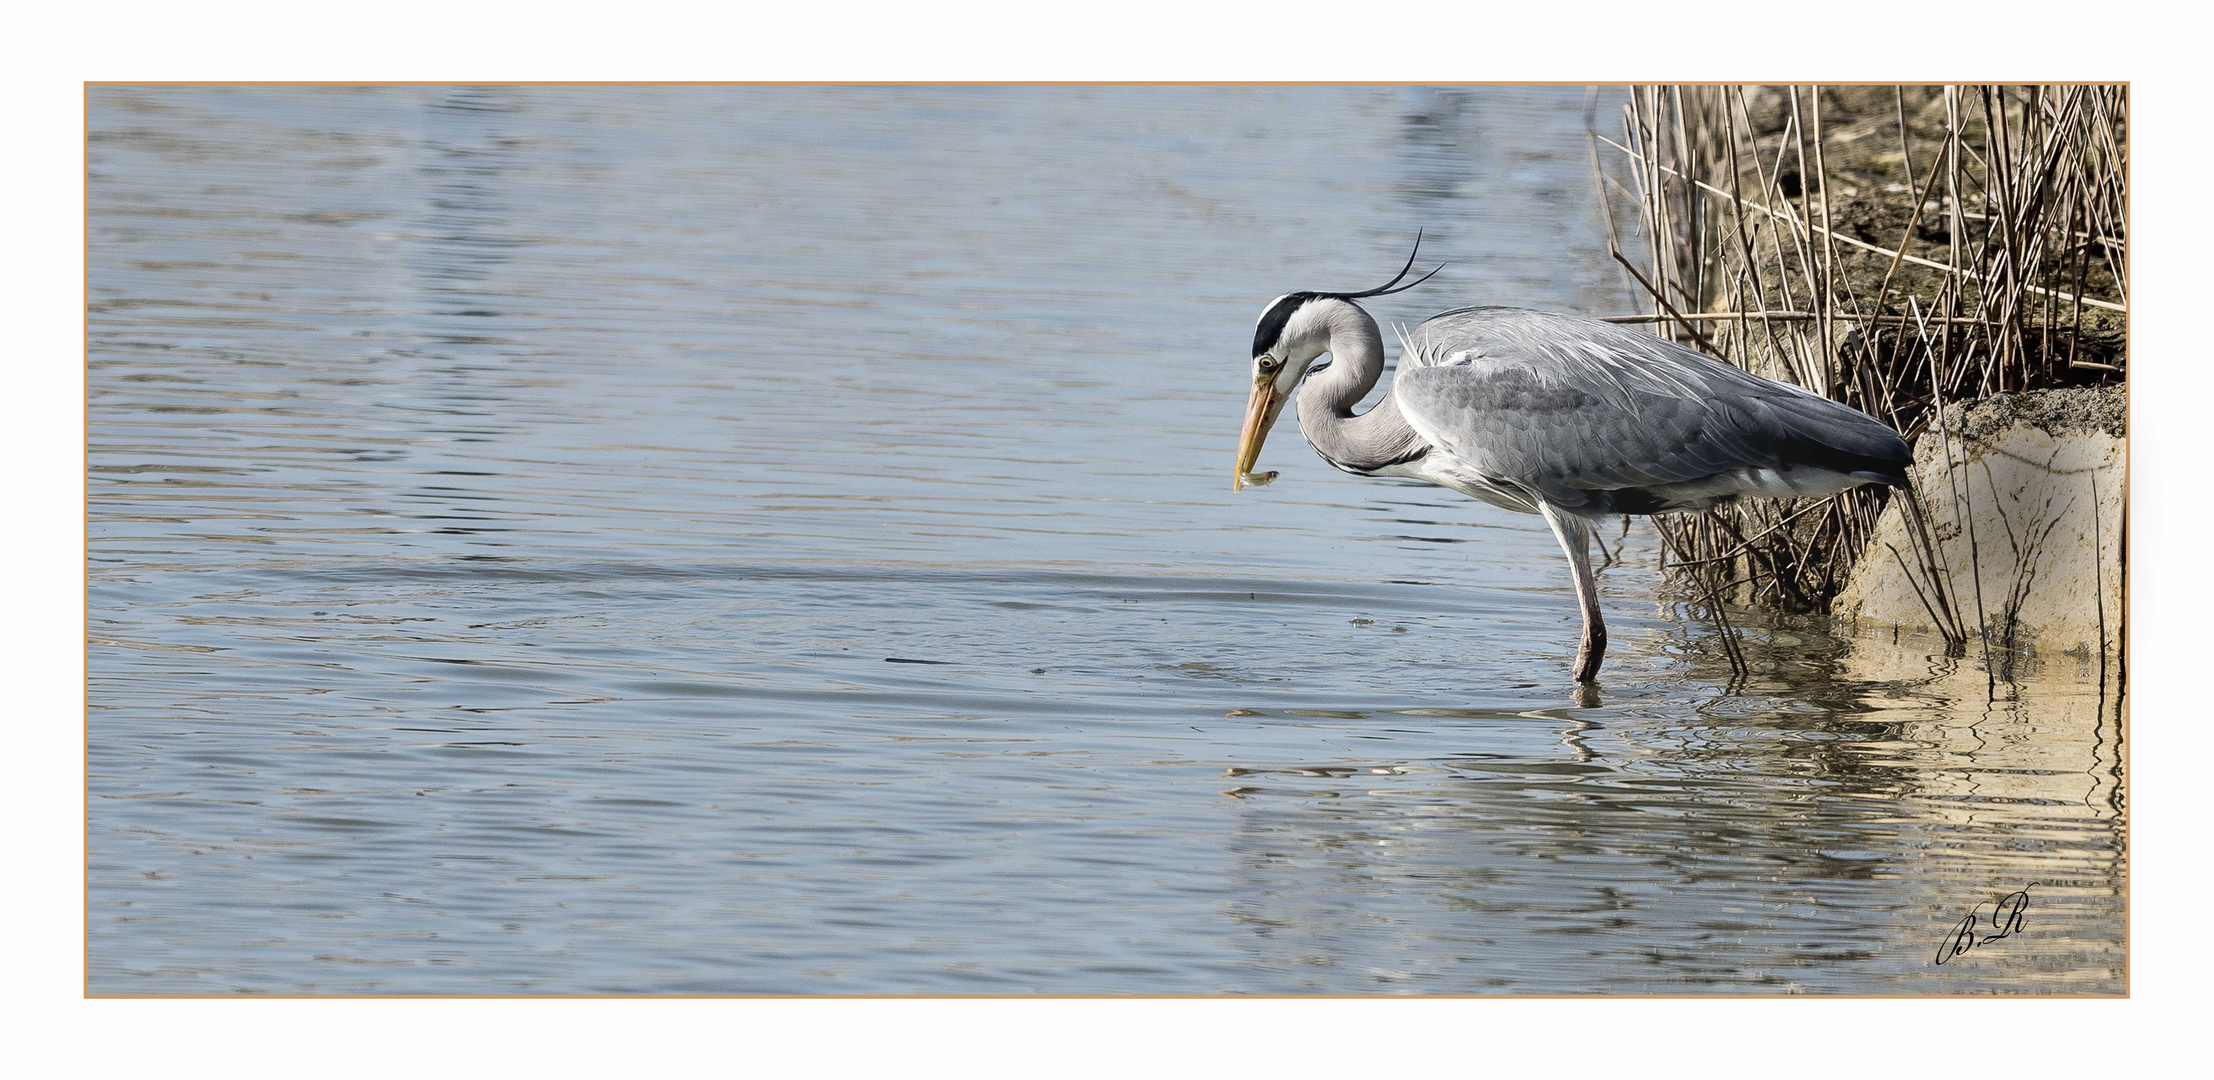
(1783, 233)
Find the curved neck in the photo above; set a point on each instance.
(1373, 439)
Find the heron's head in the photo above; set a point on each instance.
(1291, 335)
(1294, 331)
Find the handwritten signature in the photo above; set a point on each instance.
(2006, 921)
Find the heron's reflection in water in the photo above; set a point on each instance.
(1756, 830)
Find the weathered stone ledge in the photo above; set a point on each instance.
(2038, 480)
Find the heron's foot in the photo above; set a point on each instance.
(1589, 654)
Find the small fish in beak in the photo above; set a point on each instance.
(1260, 416)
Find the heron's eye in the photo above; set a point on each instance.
(1268, 364)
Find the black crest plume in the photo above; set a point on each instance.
(1386, 289)
(1274, 319)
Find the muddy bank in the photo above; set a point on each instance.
(2022, 506)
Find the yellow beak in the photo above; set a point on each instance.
(1260, 415)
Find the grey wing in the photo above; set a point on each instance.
(1598, 418)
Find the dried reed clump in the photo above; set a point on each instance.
(1893, 248)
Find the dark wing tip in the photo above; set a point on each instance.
(1874, 454)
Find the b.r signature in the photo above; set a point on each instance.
(2006, 921)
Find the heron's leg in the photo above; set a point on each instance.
(1574, 533)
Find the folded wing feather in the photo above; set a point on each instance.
(1597, 418)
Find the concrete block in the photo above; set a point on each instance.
(2037, 479)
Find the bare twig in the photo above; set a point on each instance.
(1663, 302)
(2028, 187)
(1866, 246)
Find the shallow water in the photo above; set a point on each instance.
(779, 540)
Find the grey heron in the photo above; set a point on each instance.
(1557, 415)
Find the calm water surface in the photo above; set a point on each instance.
(505, 504)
